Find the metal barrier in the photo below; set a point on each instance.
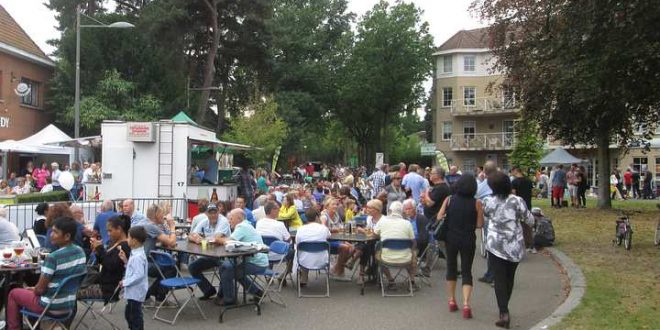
(23, 215)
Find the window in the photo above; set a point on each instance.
(640, 164)
(469, 165)
(447, 128)
(446, 64)
(468, 63)
(469, 129)
(657, 169)
(447, 95)
(32, 98)
(469, 96)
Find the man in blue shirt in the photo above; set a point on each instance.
(414, 182)
(240, 204)
(128, 208)
(100, 224)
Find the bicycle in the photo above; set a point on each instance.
(656, 241)
(624, 231)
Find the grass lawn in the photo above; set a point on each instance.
(623, 287)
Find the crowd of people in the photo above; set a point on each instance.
(45, 178)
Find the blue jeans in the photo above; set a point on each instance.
(197, 267)
(229, 272)
(156, 289)
(133, 315)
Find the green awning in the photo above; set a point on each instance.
(182, 117)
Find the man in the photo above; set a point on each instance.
(242, 231)
(483, 191)
(240, 203)
(395, 226)
(68, 259)
(211, 169)
(214, 226)
(259, 211)
(55, 176)
(20, 188)
(377, 180)
(453, 176)
(128, 208)
(522, 186)
(433, 198)
(88, 172)
(271, 227)
(558, 184)
(415, 183)
(627, 181)
(419, 223)
(312, 231)
(247, 186)
(8, 230)
(101, 221)
(571, 179)
(636, 178)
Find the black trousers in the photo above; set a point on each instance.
(465, 247)
(582, 198)
(504, 272)
(133, 315)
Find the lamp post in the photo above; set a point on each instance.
(116, 25)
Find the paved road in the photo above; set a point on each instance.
(536, 294)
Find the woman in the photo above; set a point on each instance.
(40, 175)
(582, 188)
(39, 225)
(613, 184)
(464, 215)
(394, 191)
(503, 213)
(5, 189)
(289, 213)
(330, 218)
(29, 168)
(647, 192)
(112, 264)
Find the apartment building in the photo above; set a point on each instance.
(476, 113)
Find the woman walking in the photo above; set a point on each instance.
(505, 244)
(464, 214)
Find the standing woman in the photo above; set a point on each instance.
(40, 175)
(503, 213)
(464, 214)
(583, 186)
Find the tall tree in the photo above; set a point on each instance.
(383, 76)
(588, 71)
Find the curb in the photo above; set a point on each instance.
(578, 286)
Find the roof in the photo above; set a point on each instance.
(559, 156)
(14, 40)
(467, 39)
(182, 117)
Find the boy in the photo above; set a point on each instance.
(135, 281)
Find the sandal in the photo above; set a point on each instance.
(452, 305)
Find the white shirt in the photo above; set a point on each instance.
(312, 232)
(273, 228)
(394, 227)
(299, 204)
(8, 232)
(87, 174)
(20, 191)
(259, 213)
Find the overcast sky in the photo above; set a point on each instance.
(445, 17)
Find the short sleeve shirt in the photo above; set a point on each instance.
(244, 232)
(395, 228)
(438, 194)
(153, 232)
(416, 183)
(221, 227)
(64, 262)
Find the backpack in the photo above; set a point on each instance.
(545, 229)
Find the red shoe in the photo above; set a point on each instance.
(467, 312)
(452, 306)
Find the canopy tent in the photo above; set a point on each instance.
(559, 156)
(88, 141)
(182, 117)
(47, 135)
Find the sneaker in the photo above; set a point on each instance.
(485, 280)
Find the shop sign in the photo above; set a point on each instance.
(141, 132)
(4, 122)
(427, 149)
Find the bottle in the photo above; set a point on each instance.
(214, 196)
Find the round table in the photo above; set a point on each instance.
(8, 272)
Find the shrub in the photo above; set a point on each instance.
(53, 196)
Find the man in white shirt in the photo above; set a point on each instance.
(88, 173)
(394, 226)
(21, 188)
(8, 230)
(312, 231)
(55, 176)
(269, 226)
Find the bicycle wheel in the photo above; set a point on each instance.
(627, 239)
(482, 243)
(657, 234)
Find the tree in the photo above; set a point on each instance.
(528, 148)
(262, 128)
(587, 71)
(383, 76)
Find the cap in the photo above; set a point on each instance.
(537, 211)
(212, 208)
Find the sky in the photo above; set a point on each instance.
(445, 17)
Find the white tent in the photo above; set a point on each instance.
(47, 135)
(559, 156)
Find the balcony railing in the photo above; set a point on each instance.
(484, 141)
(484, 106)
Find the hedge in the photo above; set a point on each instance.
(52, 196)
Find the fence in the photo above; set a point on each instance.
(23, 215)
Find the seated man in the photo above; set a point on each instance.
(395, 226)
(365, 251)
(242, 231)
(271, 227)
(67, 260)
(312, 231)
(419, 223)
(213, 226)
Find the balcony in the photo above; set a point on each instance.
(483, 142)
(484, 106)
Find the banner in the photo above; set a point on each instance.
(441, 160)
(276, 156)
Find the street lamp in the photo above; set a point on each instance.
(116, 25)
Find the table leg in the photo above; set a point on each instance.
(244, 304)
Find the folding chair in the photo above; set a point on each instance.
(58, 319)
(399, 245)
(431, 254)
(178, 282)
(314, 247)
(88, 303)
(268, 240)
(270, 274)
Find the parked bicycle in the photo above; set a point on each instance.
(623, 231)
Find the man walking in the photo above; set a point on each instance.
(558, 184)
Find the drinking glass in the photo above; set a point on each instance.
(7, 253)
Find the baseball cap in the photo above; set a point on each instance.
(212, 208)
(537, 211)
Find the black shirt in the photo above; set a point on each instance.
(523, 187)
(113, 268)
(437, 194)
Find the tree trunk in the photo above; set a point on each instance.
(209, 68)
(604, 201)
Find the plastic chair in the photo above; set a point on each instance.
(313, 247)
(178, 282)
(108, 304)
(398, 245)
(43, 240)
(59, 319)
(268, 240)
(281, 249)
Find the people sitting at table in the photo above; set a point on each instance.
(394, 226)
(39, 225)
(128, 208)
(270, 227)
(331, 219)
(213, 226)
(312, 231)
(113, 264)
(289, 213)
(67, 259)
(364, 251)
(242, 231)
(239, 203)
(20, 188)
(419, 223)
(100, 224)
(202, 204)
(155, 234)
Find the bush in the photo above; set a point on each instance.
(53, 196)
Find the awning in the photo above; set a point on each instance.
(15, 146)
(88, 141)
(559, 156)
(200, 134)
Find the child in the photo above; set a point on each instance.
(349, 209)
(135, 281)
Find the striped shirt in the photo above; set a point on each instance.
(66, 261)
(377, 181)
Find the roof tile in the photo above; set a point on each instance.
(477, 38)
(13, 35)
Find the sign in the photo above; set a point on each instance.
(428, 149)
(4, 122)
(141, 132)
(380, 159)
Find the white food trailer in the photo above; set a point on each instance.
(154, 160)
